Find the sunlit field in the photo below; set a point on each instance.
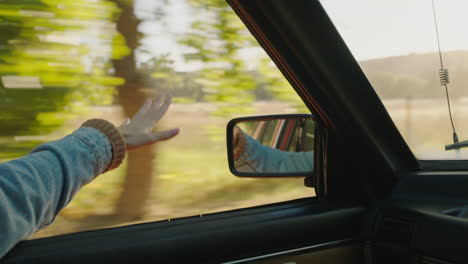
(191, 175)
(425, 125)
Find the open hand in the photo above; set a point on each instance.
(138, 130)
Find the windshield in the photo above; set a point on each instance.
(396, 45)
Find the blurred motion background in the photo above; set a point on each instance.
(65, 61)
(62, 62)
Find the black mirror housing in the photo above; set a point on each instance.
(272, 146)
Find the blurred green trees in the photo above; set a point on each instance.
(160, 72)
(51, 41)
(235, 69)
(84, 52)
(216, 41)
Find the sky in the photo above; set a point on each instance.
(371, 28)
(161, 36)
(377, 28)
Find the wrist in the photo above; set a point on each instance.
(115, 137)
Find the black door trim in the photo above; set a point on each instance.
(209, 239)
(298, 251)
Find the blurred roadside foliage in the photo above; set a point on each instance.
(67, 44)
(159, 72)
(218, 38)
(85, 52)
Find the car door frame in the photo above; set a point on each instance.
(349, 179)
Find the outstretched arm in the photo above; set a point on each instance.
(34, 188)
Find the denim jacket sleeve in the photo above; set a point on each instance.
(34, 188)
(258, 158)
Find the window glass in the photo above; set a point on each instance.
(395, 43)
(63, 62)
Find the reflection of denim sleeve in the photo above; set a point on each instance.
(34, 188)
(263, 159)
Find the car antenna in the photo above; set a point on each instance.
(444, 81)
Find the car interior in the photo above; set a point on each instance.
(376, 202)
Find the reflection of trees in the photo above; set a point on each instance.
(38, 40)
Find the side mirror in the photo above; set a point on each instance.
(271, 146)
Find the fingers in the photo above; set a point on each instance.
(152, 111)
(136, 141)
(143, 109)
(165, 135)
(157, 110)
(137, 131)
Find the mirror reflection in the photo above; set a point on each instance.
(274, 146)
